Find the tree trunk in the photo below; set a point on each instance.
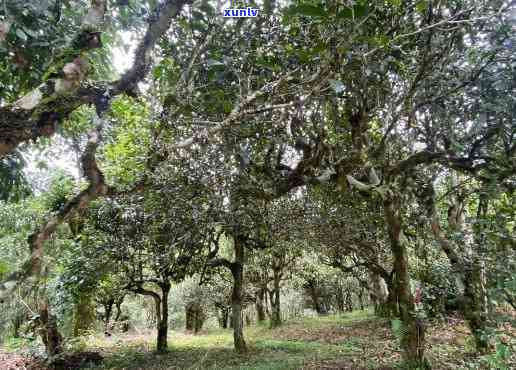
(413, 329)
(118, 305)
(162, 342)
(361, 299)
(237, 270)
(108, 309)
(267, 303)
(275, 301)
(475, 291)
(224, 317)
(470, 271)
(199, 320)
(84, 315)
(312, 289)
(349, 301)
(49, 332)
(475, 305)
(189, 319)
(340, 299)
(260, 310)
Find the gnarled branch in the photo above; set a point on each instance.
(39, 113)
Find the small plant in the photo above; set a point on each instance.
(13, 344)
(500, 358)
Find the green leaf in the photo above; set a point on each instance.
(22, 35)
(395, 3)
(214, 63)
(356, 11)
(30, 32)
(421, 6)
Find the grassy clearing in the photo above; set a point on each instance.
(355, 341)
(284, 348)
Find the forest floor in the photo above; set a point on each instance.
(356, 340)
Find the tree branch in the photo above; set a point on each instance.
(97, 187)
(39, 113)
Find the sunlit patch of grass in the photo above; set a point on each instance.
(324, 321)
(353, 340)
(215, 351)
(12, 344)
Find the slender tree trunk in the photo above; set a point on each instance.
(275, 301)
(475, 292)
(118, 305)
(162, 340)
(199, 320)
(260, 311)
(266, 302)
(108, 310)
(189, 317)
(237, 271)
(49, 331)
(470, 271)
(413, 330)
(349, 301)
(224, 317)
(475, 305)
(361, 299)
(340, 299)
(84, 315)
(312, 289)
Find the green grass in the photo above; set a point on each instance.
(214, 350)
(356, 340)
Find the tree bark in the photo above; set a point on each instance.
(237, 270)
(312, 290)
(340, 299)
(162, 340)
(199, 321)
(189, 318)
(475, 305)
(40, 112)
(49, 331)
(161, 307)
(223, 317)
(469, 272)
(118, 305)
(413, 328)
(475, 292)
(84, 315)
(260, 310)
(349, 301)
(108, 310)
(275, 300)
